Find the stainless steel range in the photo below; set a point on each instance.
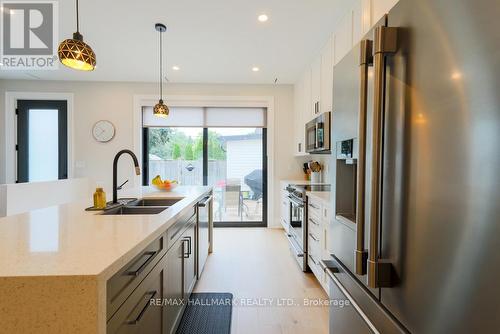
(297, 231)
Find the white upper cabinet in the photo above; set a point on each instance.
(343, 37)
(314, 91)
(315, 87)
(302, 110)
(379, 8)
(326, 86)
(306, 112)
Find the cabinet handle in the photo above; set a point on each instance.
(139, 270)
(189, 245)
(185, 254)
(313, 237)
(379, 273)
(313, 221)
(145, 307)
(313, 206)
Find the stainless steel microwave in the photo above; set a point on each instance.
(318, 134)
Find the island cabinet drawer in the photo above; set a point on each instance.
(120, 286)
(144, 310)
(175, 231)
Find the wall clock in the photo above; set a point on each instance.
(103, 131)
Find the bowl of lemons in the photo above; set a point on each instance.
(164, 185)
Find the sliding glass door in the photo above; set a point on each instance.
(221, 147)
(236, 171)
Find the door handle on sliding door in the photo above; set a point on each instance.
(379, 273)
(361, 254)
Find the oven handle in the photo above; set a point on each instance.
(295, 202)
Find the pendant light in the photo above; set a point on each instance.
(76, 54)
(161, 109)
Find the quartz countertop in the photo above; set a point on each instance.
(66, 240)
(300, 182)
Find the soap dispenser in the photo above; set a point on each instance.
(99, 198)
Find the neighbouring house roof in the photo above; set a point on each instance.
(154, 157)
(256, 135)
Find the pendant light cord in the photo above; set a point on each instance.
(161, 66)
(77, 18)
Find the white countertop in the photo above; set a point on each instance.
(300, 182)
(66, 240)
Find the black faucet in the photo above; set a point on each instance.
(115, 165)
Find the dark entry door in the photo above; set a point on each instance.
(42, 140)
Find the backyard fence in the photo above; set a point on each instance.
(188, 172)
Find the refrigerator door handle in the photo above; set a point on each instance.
(360, 253)
(379, 273)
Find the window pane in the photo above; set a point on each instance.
(235, 170)
(176, 154)
(43, 134)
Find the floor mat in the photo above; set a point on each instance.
(207, 313)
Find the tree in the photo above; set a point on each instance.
(198, 148)
(188, 152)
(215, 148)
(176, 151)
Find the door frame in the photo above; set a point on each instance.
(22, 147)
(263, 223)
(216, 101)
(10, 129)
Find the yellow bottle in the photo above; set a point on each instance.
(99, 199)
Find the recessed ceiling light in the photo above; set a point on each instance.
(176, 68)
(456, 75)
(255, 69)
(262, 17)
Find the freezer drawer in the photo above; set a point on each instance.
(374, 315)
(344, 319)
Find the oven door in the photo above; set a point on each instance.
(296, 232)
(297, 222)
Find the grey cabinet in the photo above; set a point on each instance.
(120, 286)
(181, 273)
(174, 286)
(139, 313)
(148, 295)
(189, 259)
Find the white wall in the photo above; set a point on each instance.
(113, 101)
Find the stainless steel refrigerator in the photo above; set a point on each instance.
(415, 234)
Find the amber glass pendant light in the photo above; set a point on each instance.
(161, 109)
(76, 54)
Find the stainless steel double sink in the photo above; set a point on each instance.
(143, 206)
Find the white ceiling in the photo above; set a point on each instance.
(212, 41)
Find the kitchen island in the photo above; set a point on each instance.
(56, 263)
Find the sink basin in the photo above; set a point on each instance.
(134, 210)
(145, 202)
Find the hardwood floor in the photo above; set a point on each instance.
(255, 265)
